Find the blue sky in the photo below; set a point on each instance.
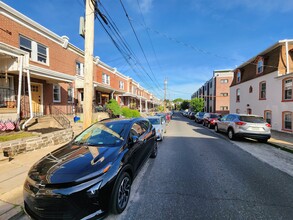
(183, 41)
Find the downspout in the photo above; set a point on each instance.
(287, 58)
(112, 95)
(19, 87)
(30, 99)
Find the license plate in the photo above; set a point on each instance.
(254, 129)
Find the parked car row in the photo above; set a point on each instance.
(235, 125)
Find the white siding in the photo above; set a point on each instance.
(273, 100)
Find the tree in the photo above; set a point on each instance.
(197, 104)
(185, 104)
(177, 103)
(114, 107)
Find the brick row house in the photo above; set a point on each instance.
(263, 86)
(41, 71)
(216, 92)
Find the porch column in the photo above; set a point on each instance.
(146, 106)
(140, 107)
(19, 85)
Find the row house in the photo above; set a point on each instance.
(41, 72)
(263, 86)
(215, 92)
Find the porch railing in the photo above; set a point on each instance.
(59, 116)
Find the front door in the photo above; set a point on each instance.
(36, 90)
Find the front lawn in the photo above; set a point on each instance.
(5, 136)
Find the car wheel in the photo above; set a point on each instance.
(231, 134)
(155, 150)
(216, 129)
(121, 193)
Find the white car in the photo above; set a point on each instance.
(241, 125)
(160, 125)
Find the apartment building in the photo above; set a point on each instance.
(41, 71)
(215, 92)
(263, 86)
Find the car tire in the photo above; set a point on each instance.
(155, 151)
(121, 193)
(231, 134)
(262, 140)
(216, 129)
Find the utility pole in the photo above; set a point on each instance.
(88, 60)
(165, 92)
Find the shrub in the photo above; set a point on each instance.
(129, 113)
(114, 107)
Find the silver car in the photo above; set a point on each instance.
(241, 125)
(160, 126)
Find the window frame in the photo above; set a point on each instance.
(238, 76)
(265, 116)
(259, 68)
(284, 113)
(79, 68)
(59, 93)
(105, 78)
(121, 85)
(262, 94)
(284, 91)
(238, 95)
(224, 81)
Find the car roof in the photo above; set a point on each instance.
(153, 117)
(125, 120)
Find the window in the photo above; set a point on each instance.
(121, 85)
(259, 65)
(224, 94)
(56, 93)
(238, 76)
(287, 89)
(79, 68)
(70, 96)
(249, 111)
(268, 116)
(223, 108)
(42, 53)
(237, 95)
(106, 79)
(287, 121)
(25, 44)
(262, 90)
(37, 51)
(223, 81)
(250, 89)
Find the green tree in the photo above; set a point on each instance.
(197, 104)
(114, 108)
(177, 102)
(185, 104)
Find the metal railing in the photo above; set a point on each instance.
(59, 116)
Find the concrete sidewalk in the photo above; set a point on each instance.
(14, 172)
(12, 176)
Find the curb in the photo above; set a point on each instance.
(12, 214)
(280, 147)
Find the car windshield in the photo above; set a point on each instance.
(102, 134)
(252, 119)
(214, 116)
(201, 113)
(154, 121)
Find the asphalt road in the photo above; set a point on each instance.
(199, 174)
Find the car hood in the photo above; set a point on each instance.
(158, 127)
(73, 164)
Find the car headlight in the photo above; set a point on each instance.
(94, 190)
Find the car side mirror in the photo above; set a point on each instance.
(134, 139)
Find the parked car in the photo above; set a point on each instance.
(241, 125)
(191, 115)
(91, 174)
(164, 116)
(209, 119)
(160, 126)
(199, 117)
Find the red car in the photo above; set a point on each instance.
(209, 119)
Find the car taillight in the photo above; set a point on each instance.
(240, 123)
(268, 125)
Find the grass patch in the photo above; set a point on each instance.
(15, 135)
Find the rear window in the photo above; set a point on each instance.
(252, 119)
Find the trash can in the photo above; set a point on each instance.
(76, 119)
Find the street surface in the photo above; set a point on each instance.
(200, 174)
